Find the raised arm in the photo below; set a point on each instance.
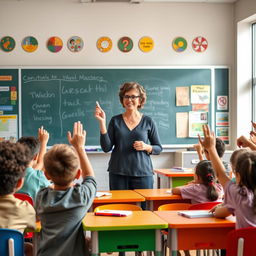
(101, 117)
(43, 137)
(199, 149)
(245, 143)
(209, 144)
(77, 140)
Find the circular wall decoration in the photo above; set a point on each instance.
(29, 44)
(7, 44)
(146, 44)
(179, 44)
(75, 44)
(199, 44)
(104, 44)
(54, 44)
(125, 44)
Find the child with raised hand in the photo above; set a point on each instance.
(34, 176)
(62, 207)
(240, 197)
(204, 188)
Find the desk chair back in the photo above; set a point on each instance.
(241, 242)
(125, 207)
(11, 242)
(25, 197)
(174, 207)
(203, 206)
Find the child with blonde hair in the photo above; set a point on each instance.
(62, 206)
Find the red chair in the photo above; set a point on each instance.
(241, 242)
(203, 206)
(25, 197)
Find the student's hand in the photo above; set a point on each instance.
(77, 140)
(253, 125)
(141, 146)
(243, 142)
(198, 147)
(209, 140)
(253, 137)
(43, 135)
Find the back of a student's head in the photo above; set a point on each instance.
(220, 147)
(61, 164)
(32, 143)
(206, 174)
(13, 162)
(246, 168)
(235, 155)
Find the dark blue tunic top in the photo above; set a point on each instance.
(125, 160)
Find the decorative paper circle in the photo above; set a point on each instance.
(54, 44)
(7, 44)
(179, 44)
(125, 44)
(29, 44)
(146, 44)
(104, 44)
(75, 44)
(199, 44)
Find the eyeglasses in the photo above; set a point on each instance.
(132, 97)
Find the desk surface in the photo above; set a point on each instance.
(177, 221)
(119, 196)
(137, 220)
(158, 194)
(169, 173)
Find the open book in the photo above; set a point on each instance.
(196, 213)
(115, 213)
(180, 169)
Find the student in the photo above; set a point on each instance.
(204, 188)
(62, 207)
(240, 197)
(34, 177)
(14, 213)
(220, 147)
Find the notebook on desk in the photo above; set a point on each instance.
(180, 169)
(196, 213)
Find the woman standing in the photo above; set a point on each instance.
(132, 137)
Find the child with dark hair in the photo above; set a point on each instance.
(204, 188)
(220, 148)
(62, 207)
(34, 176)
(14, 213)
(240, 197)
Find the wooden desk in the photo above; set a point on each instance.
(119, 196)
(175, 179)
(156, 197)
(197, 233)
(137, 232)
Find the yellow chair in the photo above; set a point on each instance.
(170, 207)
(125, 207)
(174, 207)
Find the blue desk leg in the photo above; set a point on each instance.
(95, 244)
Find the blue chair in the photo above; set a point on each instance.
(11, 242)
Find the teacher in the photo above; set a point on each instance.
(132, 137)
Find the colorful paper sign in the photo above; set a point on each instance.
(75, 44)
(104, 44)
(199, 44)
(54, 44)
(29, 44)
(146, 44)
(125, 44)
(7, 44)
(179, 44)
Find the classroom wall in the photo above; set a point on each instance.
(161, 21)
(244, 16)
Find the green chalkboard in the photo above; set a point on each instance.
(55, 98)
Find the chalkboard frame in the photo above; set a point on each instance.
(166, 146)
